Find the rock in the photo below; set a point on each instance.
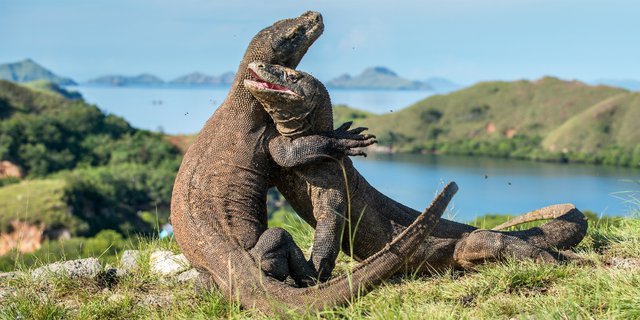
(5, 293)
(188, 276)
(165, 263)
(624, 263)
(8, 275)
(81, 268)
(156, 301)
(130, 260)
(116, 298)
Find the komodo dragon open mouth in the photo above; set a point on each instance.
(259, 83)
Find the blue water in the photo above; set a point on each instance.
(510, 186)
(500, 185)
(180, 110)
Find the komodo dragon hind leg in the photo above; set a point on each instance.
(278, 256)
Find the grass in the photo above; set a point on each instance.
(35, 201)
(511, 289)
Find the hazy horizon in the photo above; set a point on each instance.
(464, 41)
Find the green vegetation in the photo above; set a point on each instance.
(105, 245)
(36, 201)
(52, 88)
(342, 114)
(605, 286)
(548, 120)
(28, 70)
(105, 173)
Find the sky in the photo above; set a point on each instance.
(462, 40)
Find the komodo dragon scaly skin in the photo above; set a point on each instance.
(218, 206)
(380, 218)
(546, 213)
(290, 97)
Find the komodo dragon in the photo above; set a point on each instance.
(291, 103)
(218, 207)
(379, 218)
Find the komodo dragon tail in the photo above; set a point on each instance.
(239, 277)
(566, 230)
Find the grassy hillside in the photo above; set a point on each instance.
(35, 201)
(547, 119)
(104, 173)
(605, 286)
(52, 88)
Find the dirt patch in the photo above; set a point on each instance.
(8, 169)
(490, 128)
(22, 236)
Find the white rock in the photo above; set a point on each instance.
(130, 260)
(624, 263)
(165, 263)
(189, 275)
(81, 268)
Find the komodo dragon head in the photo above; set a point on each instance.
(290, 97)
(286, 41)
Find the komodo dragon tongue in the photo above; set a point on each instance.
(247, 282)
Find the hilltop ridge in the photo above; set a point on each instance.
(28, 70)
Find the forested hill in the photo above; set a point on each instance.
(547, 119)
(82, 170)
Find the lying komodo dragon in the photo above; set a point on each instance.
(218, 206)
(375, 218)
(293, 110)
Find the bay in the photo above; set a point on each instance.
(501, 186)
(486, 185)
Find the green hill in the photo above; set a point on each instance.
(86, 170)
(28, 70)
(547, 119)
(52, 88)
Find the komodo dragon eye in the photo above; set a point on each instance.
(293, 77)
(293, 33)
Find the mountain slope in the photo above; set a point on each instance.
(547, 119)
(28, 70)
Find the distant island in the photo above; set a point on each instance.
(198, 78)
(145, 79)
(121, 81)
(28, 70)
(377, 78)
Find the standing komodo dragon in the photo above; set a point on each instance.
(218, 206)
(290, 98)
(379, 218)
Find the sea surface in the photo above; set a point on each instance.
(184, 110)
(486, 185)
(503, 186)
